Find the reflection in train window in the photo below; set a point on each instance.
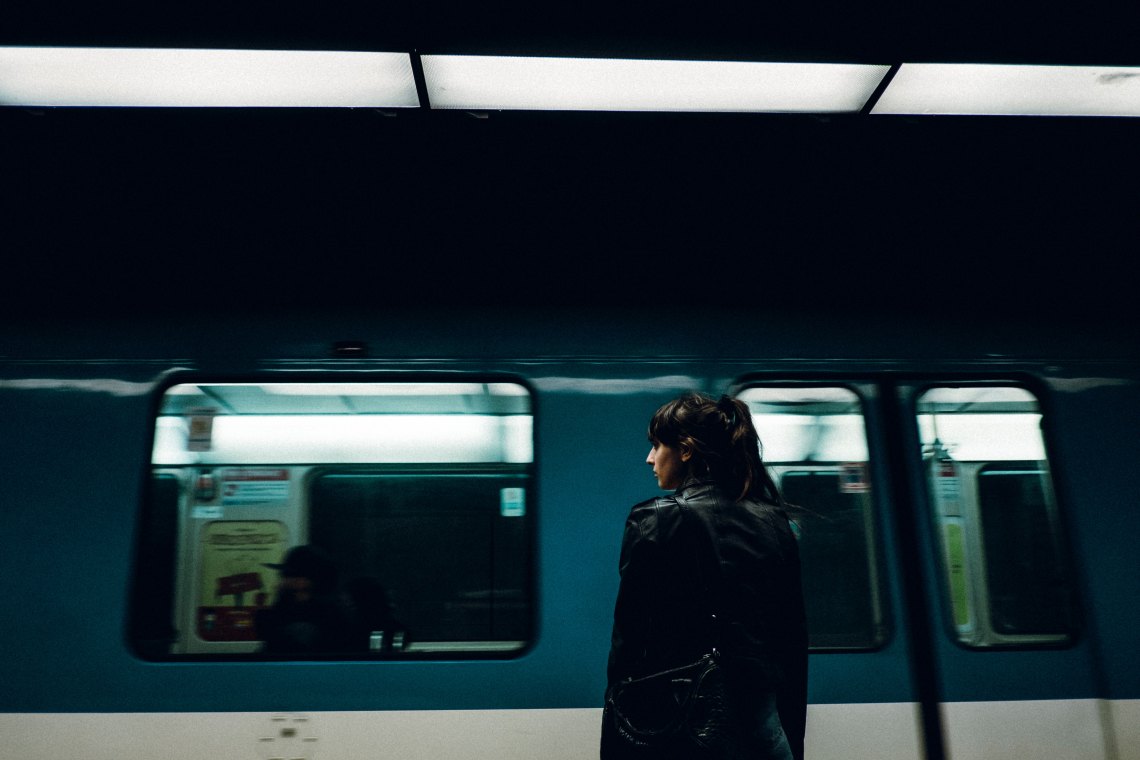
(385, 522)
(815, 444)
(1005, 577)
(412, 502)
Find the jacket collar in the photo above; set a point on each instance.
(691, 484)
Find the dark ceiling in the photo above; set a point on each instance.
(890, 31)
(272, 210)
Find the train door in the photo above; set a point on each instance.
(1008, 667)
(817, 441)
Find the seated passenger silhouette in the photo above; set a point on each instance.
(374, 625)
(308, 615)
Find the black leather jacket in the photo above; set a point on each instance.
(694, 554)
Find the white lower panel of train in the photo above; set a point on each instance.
(1070, 728)
(1053, 730)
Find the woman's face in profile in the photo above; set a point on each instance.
(668, 465)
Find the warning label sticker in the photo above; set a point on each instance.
(258, 485)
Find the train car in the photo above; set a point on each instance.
(963, 498)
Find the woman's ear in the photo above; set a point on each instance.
(686, 452)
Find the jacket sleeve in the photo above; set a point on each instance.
(637, 568)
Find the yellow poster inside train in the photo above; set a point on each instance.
(235, 581)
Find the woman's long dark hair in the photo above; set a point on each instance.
(724, 444)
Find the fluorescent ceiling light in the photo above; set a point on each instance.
(57, 76)
(800, 437)
(985, 437)
(992, 89)
(343, 439)
(369, 389)
(603, 84)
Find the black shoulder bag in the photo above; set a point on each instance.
(678, 713)
(683, 712)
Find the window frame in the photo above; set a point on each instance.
(149, 469)
(864, 391)
(524, 471)
(913, 389)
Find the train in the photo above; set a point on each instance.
(964, 503)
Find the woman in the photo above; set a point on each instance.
(721, 545)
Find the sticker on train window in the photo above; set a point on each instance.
(255, 486)
(814, 442)
(359, 520)
(1005, 576)
(853, 478)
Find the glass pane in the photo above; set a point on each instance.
(1006, 581)
(353, 520)
(1023, 568)
(814, 441)
(837, 574)
(391, 530)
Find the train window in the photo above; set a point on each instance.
(338, 520)
(382, 521)
(815, 444)
(1005, 577)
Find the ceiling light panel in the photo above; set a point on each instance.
(58, 76)
(993, 89)
(606, 84)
